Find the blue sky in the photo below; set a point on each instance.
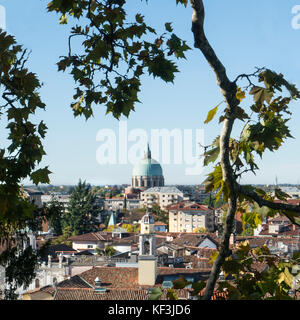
(244, 34)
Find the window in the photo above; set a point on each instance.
(37, 283)
(90, 246)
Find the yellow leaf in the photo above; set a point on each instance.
(288, 277)
(240, 95)
(212, 113)
(281, 277)
(213, 256)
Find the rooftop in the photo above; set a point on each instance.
(120, 284)
(163, 190)
(189, 206)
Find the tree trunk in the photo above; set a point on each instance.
(228, 89)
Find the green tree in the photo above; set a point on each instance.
(213, 202)
(57, 213)
(19, 102)
(67, 232)
(162, 215)
(109, 251)
(273, 280)
(247, 232)
(115, 53)
(113, 44)
(82, 210)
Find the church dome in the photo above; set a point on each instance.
(147, 173)
(147, 167)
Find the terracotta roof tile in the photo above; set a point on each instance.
(112, 294)
(92, 236)
(189, 206)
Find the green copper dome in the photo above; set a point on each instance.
(147, 167)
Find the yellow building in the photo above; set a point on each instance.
(147, 262)
(189, 216)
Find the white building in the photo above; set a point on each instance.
(62, 199)
(162, 196)
(34, 196)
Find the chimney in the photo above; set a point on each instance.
(60, 259)
(49, 261)
(97, 282)
(97, 286)
(54, 285)
(232, 239)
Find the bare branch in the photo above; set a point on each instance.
(249, 76)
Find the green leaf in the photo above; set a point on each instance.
(260, 95)
(40, 176)
(180, 283)
(198, 287)
(172, 295)
(211, 155)
(139, 18)
(253, 219)
(168, 26)
(184, 2)
(156, 293)
(279, 194)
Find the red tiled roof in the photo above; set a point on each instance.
(112, 294)
(120, 277)
(294, 202)
(115, 198)
(194, 239)
(126, 240)
(189, 206)
(120, 284)
(92, 236)
(279, 218)
(260, 241)
(74, 282)
(124, 294)
(159, 223)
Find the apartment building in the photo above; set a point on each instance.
(163, 196)
(186, 216)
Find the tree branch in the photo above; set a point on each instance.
(270, 204)
(228, 89)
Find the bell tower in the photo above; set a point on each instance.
(147, 262)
